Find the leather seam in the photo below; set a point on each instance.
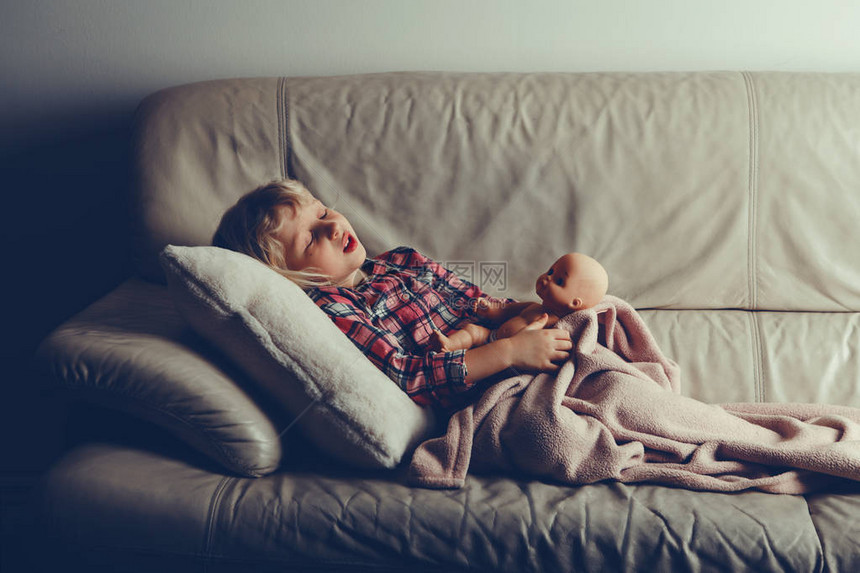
(818, 539)
(281, 111)
(752, 243)
(214, 507)
(755, 333)
(220, 559)
(752, 239)
(289, 171)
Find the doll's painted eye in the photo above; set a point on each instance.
(549, 273)
(559, 282)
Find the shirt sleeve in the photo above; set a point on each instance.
(433, 378)
(467, 289)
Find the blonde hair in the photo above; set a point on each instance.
(249, 227)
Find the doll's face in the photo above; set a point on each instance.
(574, 282)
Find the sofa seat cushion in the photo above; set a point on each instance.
(103, 500)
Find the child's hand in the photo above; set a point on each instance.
(535, 348)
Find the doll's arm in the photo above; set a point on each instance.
(498, 312)
(512, 326)
(533, 312)
(467, 337)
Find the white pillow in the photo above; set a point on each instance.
(282, 340)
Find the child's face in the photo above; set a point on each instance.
(321, 239)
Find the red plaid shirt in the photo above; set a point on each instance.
(390, 315)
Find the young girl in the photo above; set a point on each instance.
(390, 305)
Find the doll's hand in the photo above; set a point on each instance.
(439, 342)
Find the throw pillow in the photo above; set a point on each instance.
(269, 327)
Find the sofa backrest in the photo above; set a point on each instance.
(695, 190)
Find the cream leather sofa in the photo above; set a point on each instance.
(725, 206)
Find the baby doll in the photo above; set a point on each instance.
(574, 282)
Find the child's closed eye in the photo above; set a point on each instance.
(313, 236)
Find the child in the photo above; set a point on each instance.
(574, 282)
(390, 305)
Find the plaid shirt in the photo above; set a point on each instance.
(390, 315)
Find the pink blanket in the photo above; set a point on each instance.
(613, 411)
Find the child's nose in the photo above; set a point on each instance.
(334, 229)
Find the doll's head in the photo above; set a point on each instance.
(574, 282)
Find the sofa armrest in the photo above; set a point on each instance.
(131, 351)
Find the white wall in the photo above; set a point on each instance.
(65, 63)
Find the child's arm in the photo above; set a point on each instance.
(532, 349)
(435, 378)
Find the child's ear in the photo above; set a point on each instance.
(576, 304)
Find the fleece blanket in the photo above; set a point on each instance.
(613, 411)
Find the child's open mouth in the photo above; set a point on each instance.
(350, 245)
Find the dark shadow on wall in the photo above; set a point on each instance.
(65, 242)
